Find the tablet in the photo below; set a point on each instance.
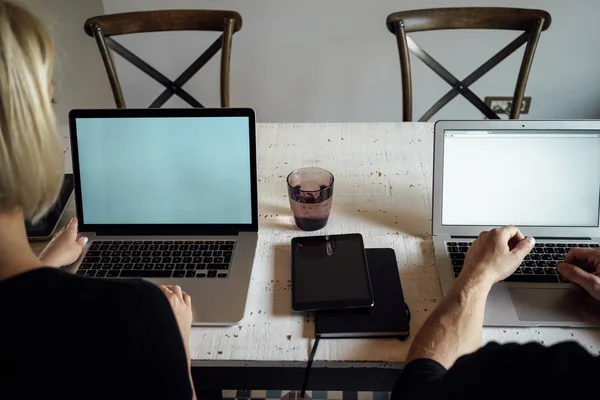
(46, 227)
(330, 272)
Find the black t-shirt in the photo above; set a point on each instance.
(509, 371)
(68, 337)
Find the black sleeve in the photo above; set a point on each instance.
(420, 379)
(163, 365)
(502, 371)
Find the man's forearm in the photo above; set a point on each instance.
(454, 327)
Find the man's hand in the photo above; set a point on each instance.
(65, 248)
(582, 267)
(496, 254)
(181, 303)
(454, 328)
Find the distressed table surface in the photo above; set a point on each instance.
(383, 182)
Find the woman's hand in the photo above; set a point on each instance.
(181, 303)
(65, 248)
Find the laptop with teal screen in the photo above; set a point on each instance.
(170, 196)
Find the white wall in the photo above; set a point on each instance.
(80, 80)
(334, 60)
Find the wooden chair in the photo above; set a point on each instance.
(104, 27)
(531, 22)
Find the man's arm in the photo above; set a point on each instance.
(454, 327)
(436, 367)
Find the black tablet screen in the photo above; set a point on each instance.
(330, 269)
(45, 226)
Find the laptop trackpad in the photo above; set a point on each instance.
(551, 305)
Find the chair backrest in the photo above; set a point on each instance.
(104, 27)
(531, 22)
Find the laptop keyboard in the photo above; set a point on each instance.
(157, 259)
(539, 266)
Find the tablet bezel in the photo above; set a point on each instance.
(335, 304)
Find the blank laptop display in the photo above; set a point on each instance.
(165, 170)
(537, 178)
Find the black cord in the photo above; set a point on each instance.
(309, 365)
(311, 357)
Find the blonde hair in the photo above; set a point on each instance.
(31, 159)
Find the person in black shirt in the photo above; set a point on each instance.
(445, 361)
(63, 336)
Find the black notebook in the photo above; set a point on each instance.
(389, 316)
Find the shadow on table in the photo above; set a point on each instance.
(428, 255)
(274, 216)
(419, 265)
(281, 291)
(392, 350)
(420, 282)
(282, 280)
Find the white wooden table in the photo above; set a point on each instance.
(383, 182)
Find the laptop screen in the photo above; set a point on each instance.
(188, 170)
(533, 178)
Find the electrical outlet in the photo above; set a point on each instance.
(503, 105)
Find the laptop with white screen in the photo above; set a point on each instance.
(542, 176)
(169, 196)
